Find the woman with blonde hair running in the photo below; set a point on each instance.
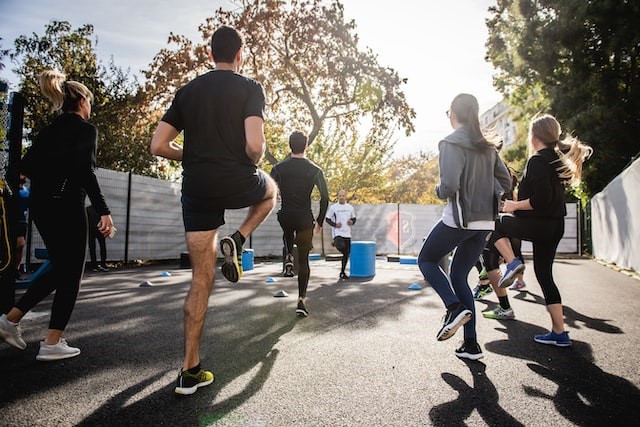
(538, 214)
(60, 164)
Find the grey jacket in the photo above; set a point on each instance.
(471, 179)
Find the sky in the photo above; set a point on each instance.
(438, 45)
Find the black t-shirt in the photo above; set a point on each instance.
(211, 110)
(542, 186)
(296, 178)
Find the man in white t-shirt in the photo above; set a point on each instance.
(341, 217)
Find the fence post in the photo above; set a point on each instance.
(128, 221)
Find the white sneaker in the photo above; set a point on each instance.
(59, 351)
(10, 333)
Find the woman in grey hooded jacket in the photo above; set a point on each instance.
(472, 179)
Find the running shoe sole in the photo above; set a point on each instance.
(231, 269)
(470, 356)
(449, 330)
(53, 357)
(190, 390)
(510, 276)
(301, 312)
(552, 342)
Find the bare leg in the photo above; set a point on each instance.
(503, 245)
(53, 336)
(202, 251)
(258, 212)
(494, 279)
(15, 315)
(557, 318)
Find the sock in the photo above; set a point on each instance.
(504, 302)
(194, 370)
(237, 236)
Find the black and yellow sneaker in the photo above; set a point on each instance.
(189, 383)
(232, 264)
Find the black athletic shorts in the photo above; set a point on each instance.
(204, 214)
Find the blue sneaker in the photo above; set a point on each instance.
(559, 340)
(514, 268)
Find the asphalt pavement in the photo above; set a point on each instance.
(366, 355)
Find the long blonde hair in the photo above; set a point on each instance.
(571, 151)
(64, 95)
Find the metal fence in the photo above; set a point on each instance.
(148, 215)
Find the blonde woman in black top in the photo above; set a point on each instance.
(60, 164)
(538, 215)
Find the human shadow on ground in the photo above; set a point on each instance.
(481, 396)
(573, 318)
(586, 395)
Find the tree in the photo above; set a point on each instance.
(578, 60)
(123, 131)
(316, 79)
(414, 178)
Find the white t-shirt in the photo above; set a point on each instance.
(341, 214)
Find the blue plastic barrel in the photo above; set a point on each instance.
(363, 259)
(247, 259)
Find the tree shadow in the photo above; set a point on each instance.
(586, 395)
(482, 396)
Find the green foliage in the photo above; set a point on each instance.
(578, 60)
(316, 79)
(123, 128)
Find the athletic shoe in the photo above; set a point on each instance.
(452, 321)
(288, 266)
(59, 351)
(500, 314)
(103, 268)
(481, 291)
(10, 333)
(514, 268)
(189, 383)
(232, 265)
(301, 310)
(483, 274)
(517, 285)
(343, 276)
(470, 351)
(559, 340)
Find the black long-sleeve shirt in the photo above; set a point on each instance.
(296, 178)
(542, 186)
(62, 161)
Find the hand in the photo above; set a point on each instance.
(338, 225)
(317, 229)
(509, 206)
(349, 222)
(105, 226)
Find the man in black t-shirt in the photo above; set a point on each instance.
(296, 176)
(221, 114)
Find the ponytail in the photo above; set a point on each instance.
(467, 112)
(571, 151)
(64, 95)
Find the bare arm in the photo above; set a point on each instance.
(516, 205)
(162, 143)
(256, 141)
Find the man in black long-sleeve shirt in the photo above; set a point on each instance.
(296, 176)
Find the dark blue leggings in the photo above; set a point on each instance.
(453, 288)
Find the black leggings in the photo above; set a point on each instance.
(298, 230)
(63, 227)
(343, 244)
(545, 235)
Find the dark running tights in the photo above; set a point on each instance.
(302, 239)
(452, 288)
(343, 244)
(544, 235)
(63, 228)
